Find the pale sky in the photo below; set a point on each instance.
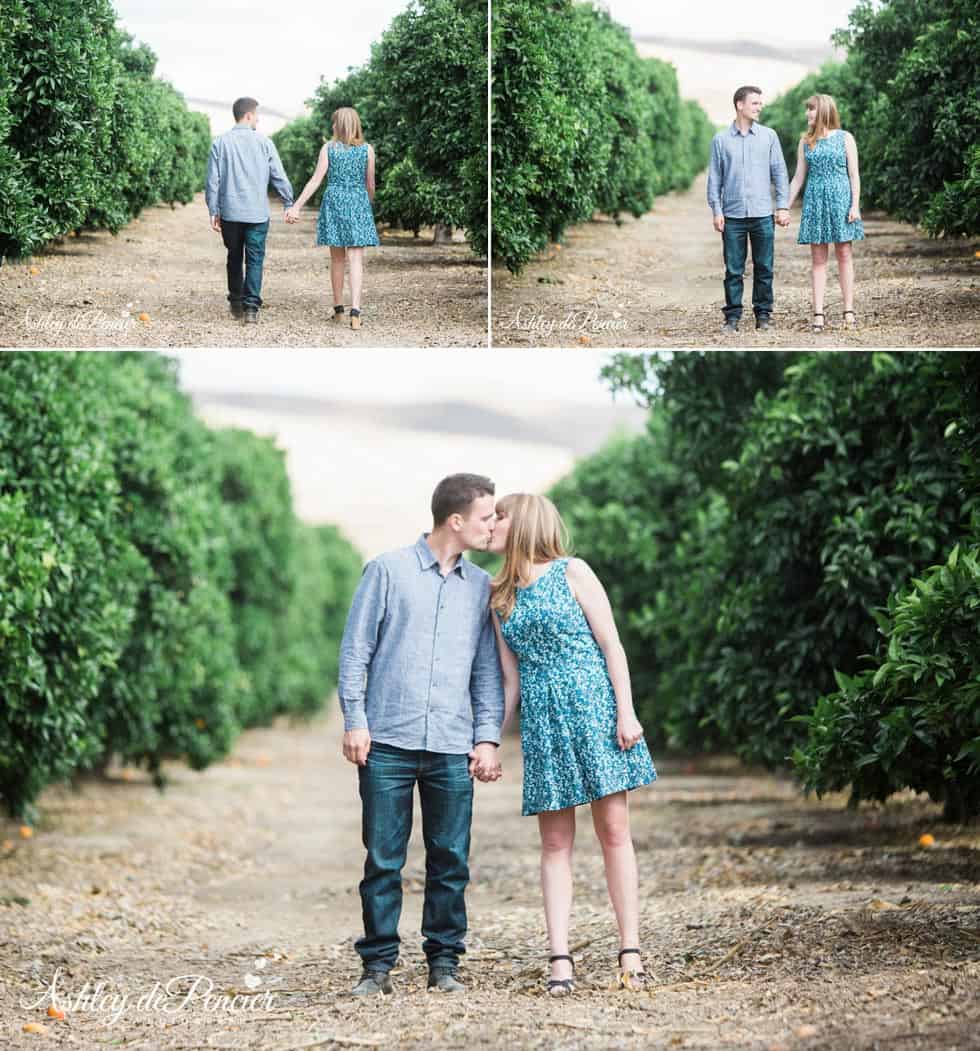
(221, 49)
(403, 376)
(767, 21)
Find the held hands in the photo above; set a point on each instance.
(484, 764)
(292, 214)
(357, 744)
(782, 217)
(628, 731)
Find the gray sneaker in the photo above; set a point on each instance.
(373, 983)
(730, 326)
(445, 981)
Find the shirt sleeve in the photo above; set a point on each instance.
(360, 640)
(212, 182)
(278, 178)
(715, 178)
(777, 169)
(487, 686)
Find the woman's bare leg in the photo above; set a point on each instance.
(557, 828)
(356, 259)
(845, 273)
(337, 274)
(818, 276)
(610, 816)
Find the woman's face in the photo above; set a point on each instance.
(811, 115)
(498, 541)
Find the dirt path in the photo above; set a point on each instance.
(169, 266)
(657, 281)
(770, 922)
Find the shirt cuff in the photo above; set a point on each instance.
(486, 732)
(355, 715)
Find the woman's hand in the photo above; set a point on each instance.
(292, 214)
(628, 731)
(854, 214)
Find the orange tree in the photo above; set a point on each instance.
(157, 592)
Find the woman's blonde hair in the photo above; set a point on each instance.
(347, 126)
(828, 119)
(537, 534)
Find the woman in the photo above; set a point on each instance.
(582, 743)
(827, 162)
(346, 221)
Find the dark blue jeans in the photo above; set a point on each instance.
(246, 247)
(387, 787)
(761, 232)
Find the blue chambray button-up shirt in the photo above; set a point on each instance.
(419, 665)
(743, 171)
(241, 166)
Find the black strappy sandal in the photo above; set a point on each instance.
(561, 986)
(814, 327)
(634, 981)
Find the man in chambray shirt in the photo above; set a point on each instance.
(421, 690)
(241, 166)
(746, 164)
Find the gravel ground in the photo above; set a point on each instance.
(657, 282)
(161, 283)
(771, 922)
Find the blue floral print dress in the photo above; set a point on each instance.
(568, 708)
(346, 218)
(827, 195)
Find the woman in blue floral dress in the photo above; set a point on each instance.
(346, 219)
(827, 164)
(582, 743)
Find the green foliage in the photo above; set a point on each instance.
(913, 719)
(156, 590)
(422, 102)
(88, 137)
(776, 503)
(786, 115)
(908, 93)
(580, 123)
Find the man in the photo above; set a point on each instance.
(422, 695)
(241, 166)
(746, 162)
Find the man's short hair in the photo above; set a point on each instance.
(243, 106)
(453, 495)
(743, 93)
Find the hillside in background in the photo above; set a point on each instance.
(710, 71)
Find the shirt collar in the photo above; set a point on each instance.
(242, 127)
(735, 130)
(427, 559)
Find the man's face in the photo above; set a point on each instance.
(477, 525)
(751, 106)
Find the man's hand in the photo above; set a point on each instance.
(216, 223)
(719, 223)
(484, 764)
(782, 216)
(357, 744)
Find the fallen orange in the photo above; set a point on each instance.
(53, 1012)
(8, 844)
(26, 831)
(925, 840)
(34, 270)
(144, 316)
(34, 1027)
